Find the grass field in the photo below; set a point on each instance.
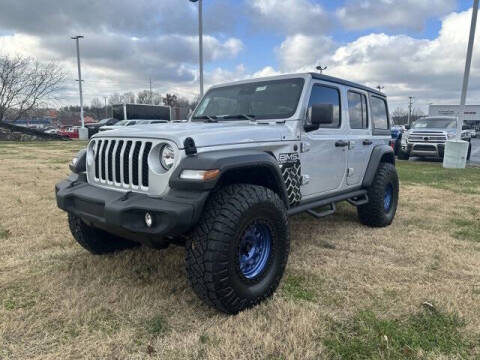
(411, 290)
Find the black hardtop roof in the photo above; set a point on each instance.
(346, 83)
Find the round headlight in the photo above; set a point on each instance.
(167, 157)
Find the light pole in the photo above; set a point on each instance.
(410, 103)
(106, 115)
(83, 135)
(200, 42)
(380, 88)
(468, 64)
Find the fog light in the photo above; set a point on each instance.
(148, 219)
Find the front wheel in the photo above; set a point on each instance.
(383, 198)
(237, 254)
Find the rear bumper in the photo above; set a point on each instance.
(123, 214)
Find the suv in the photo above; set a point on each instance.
(427, 137)
(224, 183)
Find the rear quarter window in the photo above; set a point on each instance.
(379, 113)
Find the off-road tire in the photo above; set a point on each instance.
(212, 249)
(373, 213)
(96, 241)
(403, 155)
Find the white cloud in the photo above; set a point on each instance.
(430, 70)
(266, 71)
(117, 63)
(406, 14)
(289, 16)
(302, 52)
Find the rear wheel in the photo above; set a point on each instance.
(237, 254)
(97, 241)
(383, 198)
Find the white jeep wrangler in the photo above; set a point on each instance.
(224, 183)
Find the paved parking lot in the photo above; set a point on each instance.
(475, 157)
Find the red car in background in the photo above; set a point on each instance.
(71, 132)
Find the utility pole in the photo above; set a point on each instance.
(82, 132)
(321, 68)
(380, 88)
(200, 42)
(151, 94)
(410, 103)
(468, 64)
(106, 114)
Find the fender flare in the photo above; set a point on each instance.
(380, 153)
(226, 161)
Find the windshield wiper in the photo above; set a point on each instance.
(209, 118)
(239, 116)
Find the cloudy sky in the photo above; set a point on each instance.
(411, 47)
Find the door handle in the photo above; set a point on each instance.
(367, 142)
(341, 143)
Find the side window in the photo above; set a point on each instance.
(357, 110)
(325, 95)
(379, 113)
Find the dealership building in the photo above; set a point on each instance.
(471, 114)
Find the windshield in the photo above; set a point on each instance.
(121, 123)
(435, 123)
(275, 99)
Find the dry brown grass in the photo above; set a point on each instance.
(59, 302)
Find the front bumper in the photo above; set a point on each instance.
(123, 214)
(424, 149)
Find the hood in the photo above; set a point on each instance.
(207, 134)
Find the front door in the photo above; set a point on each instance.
(324, 151)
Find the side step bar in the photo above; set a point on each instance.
(323, 213)
(356, 198)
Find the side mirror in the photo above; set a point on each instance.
(407, 127)
(319, 114)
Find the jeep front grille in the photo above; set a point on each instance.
(121, 163)
(427, 137)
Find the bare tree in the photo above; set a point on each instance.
(96, 103)
(25, 83)
(143, 97)
(115, 99)
(128, 98)
(170, 100)
(400, 116)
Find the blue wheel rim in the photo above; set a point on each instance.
(254, 249)
(388, 197)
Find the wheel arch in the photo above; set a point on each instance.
(380, 153)
(246, 167)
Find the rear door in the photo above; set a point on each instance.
(360, 142)
(324, 151)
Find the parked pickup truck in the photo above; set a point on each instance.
(427, 137)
